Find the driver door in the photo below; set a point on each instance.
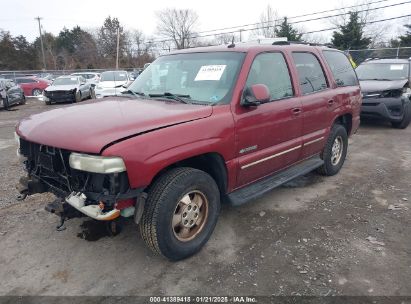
(269, 136)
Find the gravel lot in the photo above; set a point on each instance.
(344, 235)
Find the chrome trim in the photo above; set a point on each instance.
(313, 141)
(270, 157)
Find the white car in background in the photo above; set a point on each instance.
(112, 83)
(92, 78)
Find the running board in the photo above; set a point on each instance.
(261, 187)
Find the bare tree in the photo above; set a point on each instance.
(224, 38)
(269, 20)
(178, 25)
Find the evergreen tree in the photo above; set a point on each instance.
(351, 35)
(405, 40)
(285, 29)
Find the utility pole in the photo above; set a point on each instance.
(241, 36)
(41, 43)
(118, 46)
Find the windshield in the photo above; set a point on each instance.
(202, 77)
(382, 71)
(65, 81)
(113, 76)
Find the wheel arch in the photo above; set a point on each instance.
(345, 120)
(212, 163)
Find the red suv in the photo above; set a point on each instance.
(32, 86)
(198, 127)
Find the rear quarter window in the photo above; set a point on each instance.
(341, 68)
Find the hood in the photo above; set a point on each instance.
(381, 85)
(111, 84)
(65, 87)
(89, 127)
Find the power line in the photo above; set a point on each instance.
(329, 29)
(294, 17)
(269, 26)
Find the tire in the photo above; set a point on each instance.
(334, 161)
(48, 102)
(77, 97)
(6, 104)
(37, 92)
(90, 94)
(23, 100)
(175, 195)
(405, 120)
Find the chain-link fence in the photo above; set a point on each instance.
(51, 74)
(361, 55)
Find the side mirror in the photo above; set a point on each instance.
(255, 95)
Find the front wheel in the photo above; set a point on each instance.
(77, 97)
(405, 120)
(23, 100)
(335, 151)
(181, 212)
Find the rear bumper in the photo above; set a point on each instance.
(390, 109)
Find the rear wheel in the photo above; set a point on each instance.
(181, 212)
(405, 120)
(37, 92)
(335, 151)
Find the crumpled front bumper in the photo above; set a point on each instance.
(389, 108)
(78, 199)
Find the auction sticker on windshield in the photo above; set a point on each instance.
(210, 72)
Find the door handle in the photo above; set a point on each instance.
(296, 111)
(330, 102)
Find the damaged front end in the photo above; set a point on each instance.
(89, 185)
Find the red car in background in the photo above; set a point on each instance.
(32, 86)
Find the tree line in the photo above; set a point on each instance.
(80, 48)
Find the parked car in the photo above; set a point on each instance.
(92, 78)
(68, 88)
(32, 86)
(385, 86)
(46, 76)
(10, 93)
(198, 127)
(112, 83)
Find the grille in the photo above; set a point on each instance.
(51, 166)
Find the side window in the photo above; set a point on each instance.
(271, 69)
(311, 75)
(341, 68)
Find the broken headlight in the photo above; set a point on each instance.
(97, 164)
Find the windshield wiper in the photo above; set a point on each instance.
(380, 79)
(135, 94)
(178, 97)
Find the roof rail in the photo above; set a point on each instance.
(302, 42)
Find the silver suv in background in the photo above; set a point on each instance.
(92, 78)
(112, 83)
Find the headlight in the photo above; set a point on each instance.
(406, 91)
(97, 164)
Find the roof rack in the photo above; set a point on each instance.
(302, 42)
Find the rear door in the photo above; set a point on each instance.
(268, 136)
(317, 98)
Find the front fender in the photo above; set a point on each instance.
(147, 154)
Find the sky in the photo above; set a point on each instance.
(18, 15)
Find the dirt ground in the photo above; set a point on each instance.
(344, 235)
